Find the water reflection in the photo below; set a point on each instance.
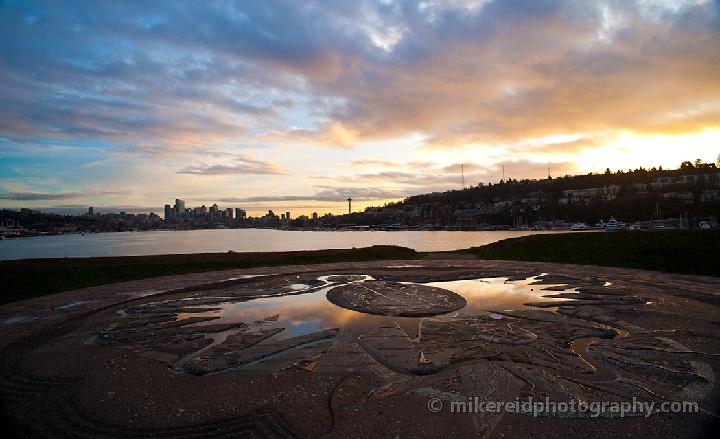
(239, 240)
(500, 293)
(302, 313)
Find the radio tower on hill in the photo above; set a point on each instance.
(349, 200)
(462, 175)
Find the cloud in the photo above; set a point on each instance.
(459, 168)
(517, 70)
(522, 169)
(29, 196)
(459, 72)
(441, 178)
(242, 165)
(40, 196)
(167, 83)
(375, 163)
(326, 194)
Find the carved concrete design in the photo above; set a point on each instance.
(395, 299)
(245, 349)
(189, 361)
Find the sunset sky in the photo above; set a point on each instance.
(294, 105)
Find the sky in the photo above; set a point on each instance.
(296, 105)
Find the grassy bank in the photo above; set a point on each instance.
(680, 251)
(691, 252)
(36, 277)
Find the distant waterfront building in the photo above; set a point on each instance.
(314, 215)
(282, 216)
(168, 212)
(179, 208)
(239, 213)
(287, 216)
(709, 195)
(681, 196)
(214, 210)
(91, 211)
(24, 211)
(229, 213)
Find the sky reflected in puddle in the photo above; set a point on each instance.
(499, 293)
(302, 313)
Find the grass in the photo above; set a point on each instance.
(679, 251)
(28, 278)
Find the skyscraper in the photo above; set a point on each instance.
(168, 213)
(179, 208)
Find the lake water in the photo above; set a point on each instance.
(238, 240)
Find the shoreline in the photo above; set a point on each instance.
(239, 240)
(33, 234)
(354, 229)
(683, 252)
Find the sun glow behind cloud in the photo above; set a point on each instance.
(296, 105)
(630, 151)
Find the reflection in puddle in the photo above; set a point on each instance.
(307, 312)
(245, 276)
(500, 293)
(144, 293)
(16, 319)
(75, 303)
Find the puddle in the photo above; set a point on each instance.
(500, 293)
(16, 319)
(244, 276)
(305, 309)
(144, 293)
(602, 372)
(75, 303)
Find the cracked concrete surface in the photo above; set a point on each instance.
(206, 355)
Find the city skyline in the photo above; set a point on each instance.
(298, 106)
(171, 209)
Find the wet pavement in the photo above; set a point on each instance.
(263, 352)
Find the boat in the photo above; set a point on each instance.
(7, 232)
(613, 225)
